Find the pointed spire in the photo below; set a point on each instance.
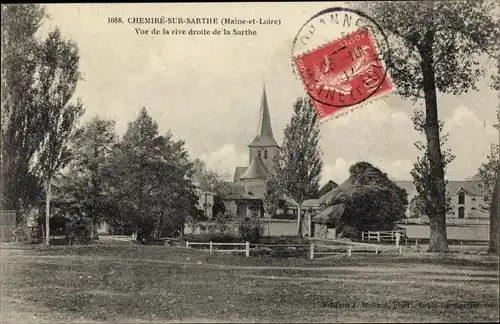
(265, 129)
(265, 135)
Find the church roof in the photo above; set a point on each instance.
(238, 172)
(256, 170)
(264, 135)
(244, 191)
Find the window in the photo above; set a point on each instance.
(259, 154)
(265, 154)
(473, 199)
(461, 212)
(461, 198)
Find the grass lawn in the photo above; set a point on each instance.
(124, 283)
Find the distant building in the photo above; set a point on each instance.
(466, 197)
(205, 195)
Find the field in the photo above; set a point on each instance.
(118, 283)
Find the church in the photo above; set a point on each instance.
(248, 185)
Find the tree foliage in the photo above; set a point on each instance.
(151, 180)
(272, 196)
(422, 178)
(22, 127)
(86, 181)
(436, 46)
(58, 75)
(299, 161)
(488, 174)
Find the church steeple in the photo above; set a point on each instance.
(264, 135)
(264, 145)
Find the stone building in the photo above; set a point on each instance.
(466, 198)
(248, 186)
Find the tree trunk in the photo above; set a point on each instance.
(495, 215)
(47, 210)
(299, 220)
(181, 238)
(437, 219)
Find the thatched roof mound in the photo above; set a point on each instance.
(329, 214)
(337, 195)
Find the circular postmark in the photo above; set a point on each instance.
(340, 55)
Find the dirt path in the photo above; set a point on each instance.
(425, 268)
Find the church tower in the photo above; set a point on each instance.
(264, 145)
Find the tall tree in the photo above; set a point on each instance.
(58, 76)
(151, 180)
(495, 206)
(488, 174)
(299, 161)
(87, 179)
(495, 216)
(436, 46)
(421, 172)
(22, 127)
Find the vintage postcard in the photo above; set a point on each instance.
(250, 162)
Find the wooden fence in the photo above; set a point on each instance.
(7, 225)
(383, 236)
(213, 246)
(314, 249)
(348, 249)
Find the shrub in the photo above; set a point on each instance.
(250, 229)
(79, 230)
(221, 227)
(25, 234)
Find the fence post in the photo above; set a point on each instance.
(416, 243)
(311, 251)
(247, 249)
(400, 250)
(187, 244)
(461, 247)
(211, 247)
(362, 235)
(397, 239)
(369, 236)
(376, 250)
(406, 241)
(349, 251)
(378, 236)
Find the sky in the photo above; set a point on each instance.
(207, 89)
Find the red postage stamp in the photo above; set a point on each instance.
(343, 73)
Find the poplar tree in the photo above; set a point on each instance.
(299, 161)
(22, 129)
